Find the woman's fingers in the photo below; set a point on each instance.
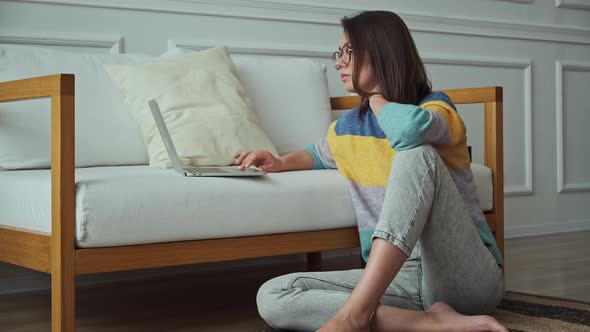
(251, 159)
(242, 156)
(245, 160)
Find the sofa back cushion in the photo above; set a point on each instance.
(290, 97)
(105, 133)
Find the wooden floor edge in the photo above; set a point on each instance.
(94, 260)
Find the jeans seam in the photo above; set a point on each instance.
(405, 232)
(388, 237)
(389, 293)
(386, 293)
(420, 289)
(401, 295)
(293, 280)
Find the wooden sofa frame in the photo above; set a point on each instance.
(56, 253)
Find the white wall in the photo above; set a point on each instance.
(538, 50)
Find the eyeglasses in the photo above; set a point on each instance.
(342, 54)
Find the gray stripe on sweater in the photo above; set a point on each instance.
(368, 202)
(438, 131)
(324, 153)
(463, 179)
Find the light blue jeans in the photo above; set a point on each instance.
(424, 215)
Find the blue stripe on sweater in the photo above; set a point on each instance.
(438, 95)
(349, 124)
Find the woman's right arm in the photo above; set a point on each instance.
(313, 156)
(295, 161)
(266, 161)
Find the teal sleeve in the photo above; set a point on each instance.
(488, 239)
(404, 125)
(317, 163)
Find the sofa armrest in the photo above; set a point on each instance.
(37, 87)
(60, 88)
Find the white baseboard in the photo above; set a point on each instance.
(544, 229)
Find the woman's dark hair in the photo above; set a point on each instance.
(385, 40)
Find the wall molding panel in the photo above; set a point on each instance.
(560, 67)
(573, 4)
(518, 1)
(498, 62)
(246, 48)
(282, 11)
(113, 44)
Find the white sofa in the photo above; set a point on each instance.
(117, 213)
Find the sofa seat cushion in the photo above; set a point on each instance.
(125, 205)
(482, 176)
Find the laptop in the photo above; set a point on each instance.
(193, 170)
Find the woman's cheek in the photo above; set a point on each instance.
(348, 86)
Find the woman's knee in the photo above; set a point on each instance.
(415, 161)
(421, 154)
(272, 299)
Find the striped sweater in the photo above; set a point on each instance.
(363, 151)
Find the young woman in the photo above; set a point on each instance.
(432, 262)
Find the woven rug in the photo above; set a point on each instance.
(524, 312)
(531, 313)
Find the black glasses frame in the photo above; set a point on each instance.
(343, 54)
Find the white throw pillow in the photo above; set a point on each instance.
(290, 96)
(207, 111)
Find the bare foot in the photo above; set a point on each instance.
(344, 323)
(450, 320)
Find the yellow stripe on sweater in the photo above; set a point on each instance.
(456, 126)
(363, 159)
(455, 155)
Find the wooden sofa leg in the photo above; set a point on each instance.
(63, 301)
(63, 305)
(314, 261)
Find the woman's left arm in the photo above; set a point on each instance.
(407, 126)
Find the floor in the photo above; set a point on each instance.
(554, 265)
(221, 296)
